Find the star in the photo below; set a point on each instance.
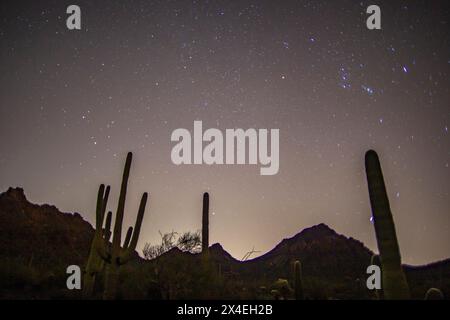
(368, 90)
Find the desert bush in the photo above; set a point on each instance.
(187, 242)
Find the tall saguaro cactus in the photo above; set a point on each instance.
(298, 283)
(205, 223)
(394, 281)
(119, 255)
(114, 255)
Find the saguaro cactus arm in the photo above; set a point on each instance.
(132, 237)
(128, 237)
(102, 201)
(139, 219)
(107, 229)
(117, 236)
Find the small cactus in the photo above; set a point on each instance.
(205, 223)
(283, 288)
(434, 294)
(394, 281)
(298, 282)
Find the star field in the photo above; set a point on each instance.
(74, 102)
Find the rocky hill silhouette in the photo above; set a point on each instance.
(41, 235)
(38, 242)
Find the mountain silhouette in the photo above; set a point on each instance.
(38, 242)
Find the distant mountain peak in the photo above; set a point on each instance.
(216, 247)
(319, 228)
(315, 232)
(16, 194)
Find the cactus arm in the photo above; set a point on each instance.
(107, 229)
(128, 237)
(125, 251)
(105, 202)
(137, 226)
(130, 246)
(121, 205)
(102, 201)
(98, 211)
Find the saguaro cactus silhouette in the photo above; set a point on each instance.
(205, 223)
(95, 263)
(298, 282)
(115, 255)
(394, 281)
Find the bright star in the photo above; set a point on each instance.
(367, 89)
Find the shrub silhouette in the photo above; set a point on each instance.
(187, 242)
(434, 294)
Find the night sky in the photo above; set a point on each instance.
(73, 103)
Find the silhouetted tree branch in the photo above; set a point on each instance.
(187, 242)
